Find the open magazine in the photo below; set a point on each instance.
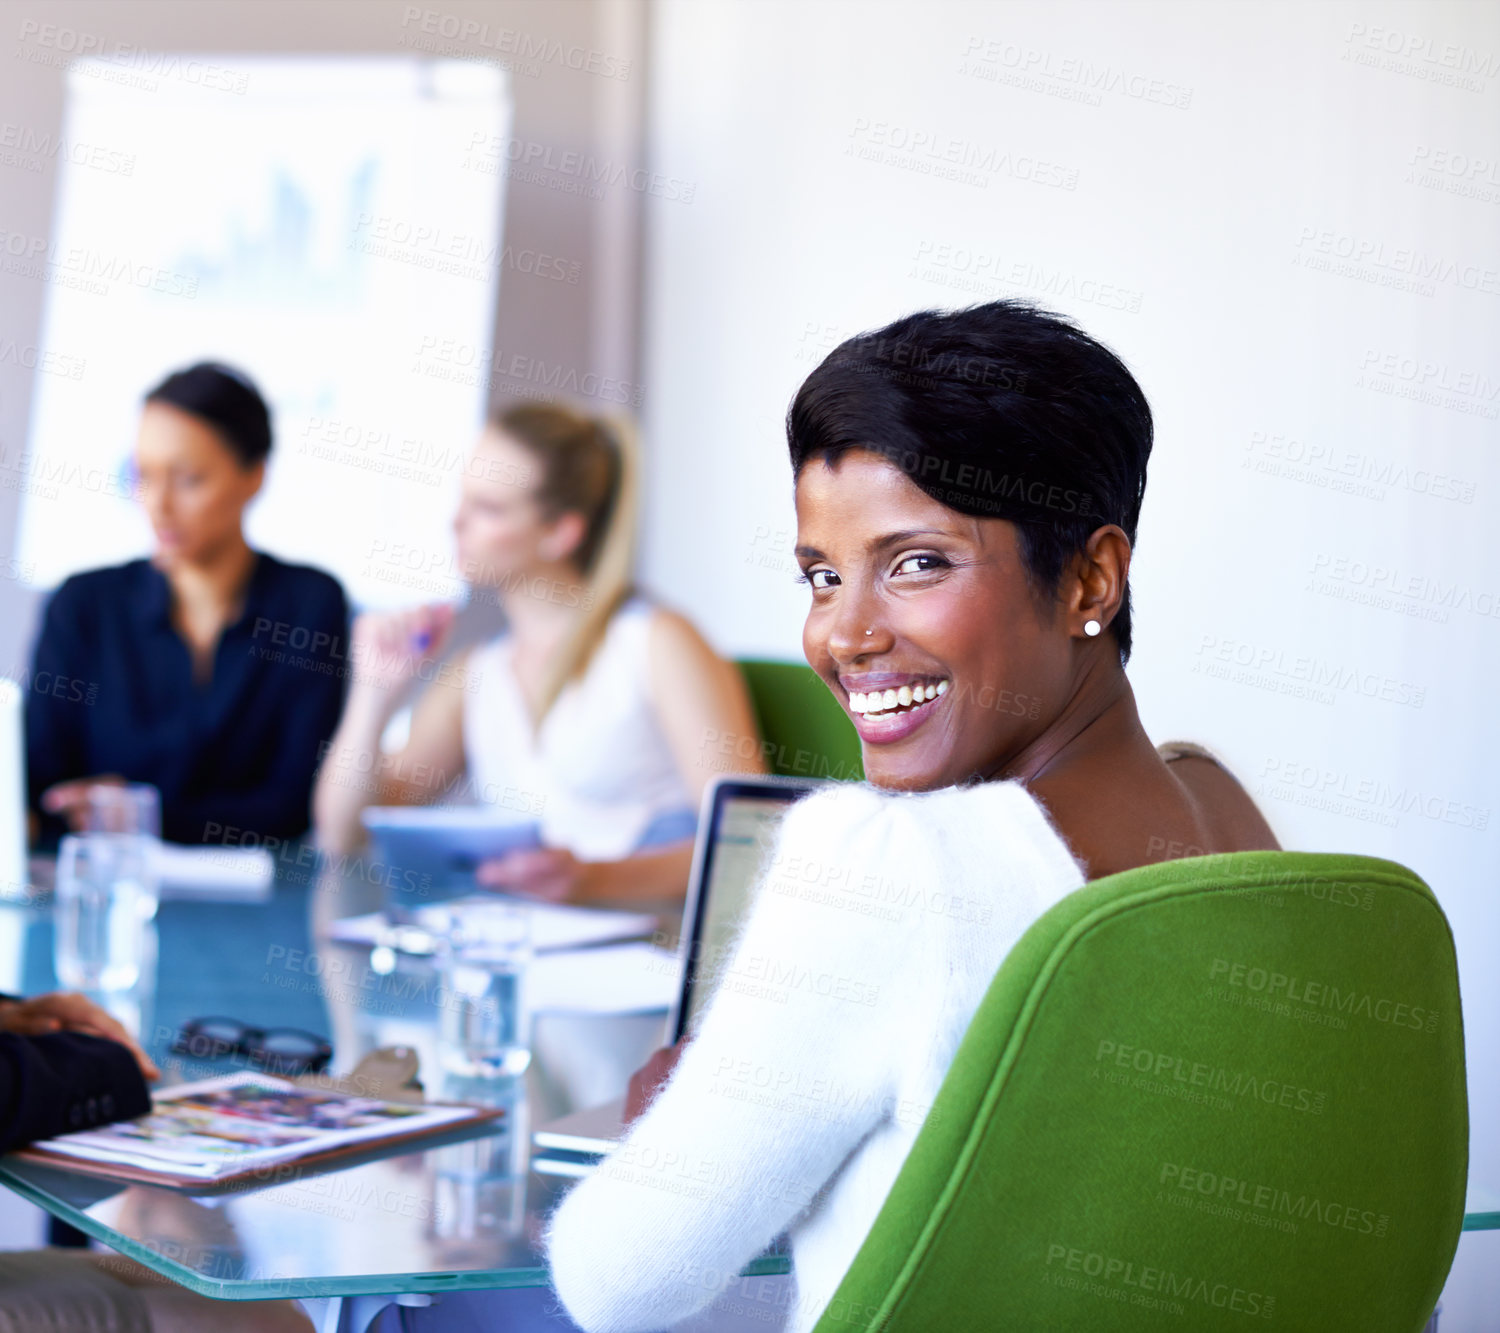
(241, 1124)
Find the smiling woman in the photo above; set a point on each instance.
(968, 492)
(968, 487)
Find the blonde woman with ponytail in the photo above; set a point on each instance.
(591, 710)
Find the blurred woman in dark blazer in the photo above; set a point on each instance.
(211, 671)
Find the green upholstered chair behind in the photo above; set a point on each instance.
(1225, 1092)
(805, 732)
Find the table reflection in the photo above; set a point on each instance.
(465, 1210)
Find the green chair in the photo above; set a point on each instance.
(804, 729)
(1218, 1093)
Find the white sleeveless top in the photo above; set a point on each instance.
(600, 770)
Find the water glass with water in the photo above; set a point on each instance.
(107, 891)
(484, 1022)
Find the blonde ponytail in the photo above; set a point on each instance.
(590, 465)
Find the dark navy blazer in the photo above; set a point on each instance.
(112, 691)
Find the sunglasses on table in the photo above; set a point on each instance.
(276, 1050)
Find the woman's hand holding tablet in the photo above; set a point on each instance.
(548, 874)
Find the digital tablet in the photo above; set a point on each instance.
(428, 854)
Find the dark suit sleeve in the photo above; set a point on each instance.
(65, 1081)
(56, 746)
(281, 807)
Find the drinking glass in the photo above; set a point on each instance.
(107, 891)
(484, 1023)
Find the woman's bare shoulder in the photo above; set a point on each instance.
(1230, 810)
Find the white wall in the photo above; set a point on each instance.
(1193, 217)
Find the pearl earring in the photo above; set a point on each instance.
(1091, 627)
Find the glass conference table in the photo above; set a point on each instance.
(462, 1213)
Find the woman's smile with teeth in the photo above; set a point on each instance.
(881, 703)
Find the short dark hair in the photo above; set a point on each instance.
(1002, 410)
(227, 400)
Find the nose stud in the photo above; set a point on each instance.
(869, 632)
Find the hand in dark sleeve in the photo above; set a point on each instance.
(63, 1082)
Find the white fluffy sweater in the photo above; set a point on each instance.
(873, 936)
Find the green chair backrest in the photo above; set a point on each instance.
(1224, 1092)
(804, 730)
